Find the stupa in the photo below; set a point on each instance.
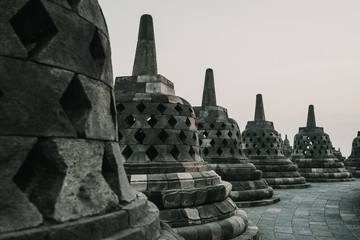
(220, 144)
(160, 144)
(61, 174)
(314, 155)
(262, 145)
(287, 149)
(352, 163)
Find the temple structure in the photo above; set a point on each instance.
(352, 163)
(314, 155)
(159, 141)
(220, 144)
(287, 149)
(61, 171)
(262, 145)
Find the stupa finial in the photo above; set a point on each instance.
(259, 109)
(145, 57)
(311, 117)
(209, 97)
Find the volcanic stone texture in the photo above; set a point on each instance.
(220, 144)
(262, 145)
(352, 163)
(159, 141)
(61, 171)
(314, 155)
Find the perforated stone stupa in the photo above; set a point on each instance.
(220, 144)
(352, 163)
(262, 145)
(287, 149)
(61, 174)
(159, 141)
(313, 154)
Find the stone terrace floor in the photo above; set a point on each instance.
(323, 211)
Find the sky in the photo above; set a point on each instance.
(295, 53)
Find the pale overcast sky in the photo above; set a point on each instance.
(294, 52)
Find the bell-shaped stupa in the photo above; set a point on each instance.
(220, 144)
(287, 149)
(159, 141)
(313, 153)
(262, 145)
(352, 163)
(61, 171)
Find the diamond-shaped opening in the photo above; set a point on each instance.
(139, 135)
(200, 126)
(141, 107)
(254, 145)
(73, 3)
(263, 145)
(194, 136)
(212, 125)
(200, 142)
(223, 125)
(172, 121)
(276, 151)
(187, 122)
(246, 145)
(178, 108)
(258, 139)
(249, 152)
(258, 152)
(268, 152)
(231, 151)
(263, 134)
(161, 108)
(120, 108)
(230, 134)
(219, 151)
(225, 142)
(192, 152)
(127, 152)
(267, 139)
(76, 104)
(39, 175)
(97, 51)
(175, 152)
(130, 120)
(34, 27)
(205, 152)
(212, 142)
(205, 134)
(254, 134)
(271, 145)
(152, 153)
(163, 136)
(151, 121)
(218, 133)
(250, 139)
(182, 136)
(120, 136)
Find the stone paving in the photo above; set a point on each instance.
(323, 211)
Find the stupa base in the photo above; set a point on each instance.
(256, 203)
(330, 179)
(293, 186)
(137, 220)
(236, 227)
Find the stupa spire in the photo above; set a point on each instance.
(311, 117)
(145, 57)
(209, 96)
(259, 109)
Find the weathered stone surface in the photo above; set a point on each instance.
(313, 153)
(61, 171)
(220, 145)
(352, 163)
(16, 211)
(159, 141)
(264, 148)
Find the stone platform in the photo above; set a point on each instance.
(325, 211)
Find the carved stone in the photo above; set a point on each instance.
(159, 141)
(61, 171)
(352, 163)
(220, 145)
(313, 153)
(264, 149)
